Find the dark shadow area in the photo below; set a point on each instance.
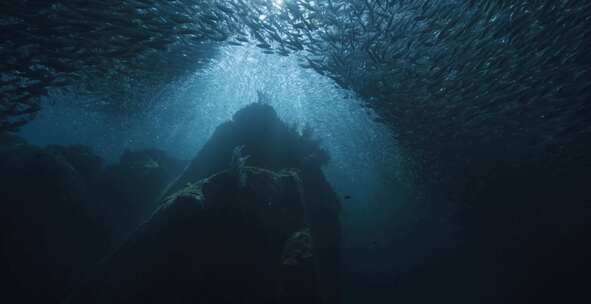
(506, 229)
(62, 210)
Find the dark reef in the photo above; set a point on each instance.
(62, 210)
(229, 233)
(252, 219)
(273, 145)
(215, 242)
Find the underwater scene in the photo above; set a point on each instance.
(295, 151)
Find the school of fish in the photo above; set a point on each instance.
(438, 72)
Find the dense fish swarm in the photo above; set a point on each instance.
(93, 45)
(438, 72)
(444, 73)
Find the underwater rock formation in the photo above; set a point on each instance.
(251, 220)
(268, 141)
(46, 232)
(131, 189)
(214, 241)
(61, 209)
(273, 145)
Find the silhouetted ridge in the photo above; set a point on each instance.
(270, 143)
(251, 220)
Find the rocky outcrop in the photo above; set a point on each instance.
(46, 231)
(251, 220)
(127, 192)
(216, 241)
(61, 211)
(268, 141)
(257, 224)
(273, 145)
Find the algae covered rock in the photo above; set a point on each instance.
(271, 144)
(212, 242)
(252, 219)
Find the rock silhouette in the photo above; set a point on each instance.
(61, 211)
(266, 231)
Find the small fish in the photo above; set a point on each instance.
(264, 45)
(471, 67)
